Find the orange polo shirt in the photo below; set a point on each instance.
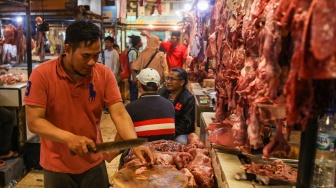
(71, 106)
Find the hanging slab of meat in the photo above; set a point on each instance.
(285, 12)
(157, 176)
(279, 142)
(158, 6)
(9, 50)
(320, 52)
(271, 50)
(212, 48)
(218, 8)
(298, 108)
(239, 128)
(275, 170)
(247, 75)
(20, 42)
(258, 7)
(195, 46)
(323, 29)
(254, 128)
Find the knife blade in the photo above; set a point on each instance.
(234, 151)
(116, 145)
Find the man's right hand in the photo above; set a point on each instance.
(143, 33)
(80, 144)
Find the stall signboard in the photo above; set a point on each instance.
(109, 13)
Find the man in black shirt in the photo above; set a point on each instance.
(184, 103)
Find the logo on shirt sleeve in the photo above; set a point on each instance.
(28, 88)
(92, 92)
(178, 106)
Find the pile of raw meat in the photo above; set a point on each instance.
(270, 54)
(10, 79)
(193, 160)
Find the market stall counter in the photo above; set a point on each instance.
(203, 102)
(226, 166)
(11, 96)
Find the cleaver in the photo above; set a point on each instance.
(116, 145)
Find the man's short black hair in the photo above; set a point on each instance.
(176, 34)
(182, 74)
(135, 40)
(151, 86)
(115, 45)
(82, 31)
(109, 38)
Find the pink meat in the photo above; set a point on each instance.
(140, 170)
(193, 139)
(191, 180)
(182, 159)
(196, 151)
(204, 176)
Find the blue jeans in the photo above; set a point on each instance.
(183, 138)
(6, 130)
(133, 91)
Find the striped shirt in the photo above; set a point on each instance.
(153, 117)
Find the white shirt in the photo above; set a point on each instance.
(111, 60)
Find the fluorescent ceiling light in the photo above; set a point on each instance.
(187, 7)
(19, 19)
(202, 5)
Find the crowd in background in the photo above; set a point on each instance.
(168, 59)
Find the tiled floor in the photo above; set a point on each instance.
(34, 179)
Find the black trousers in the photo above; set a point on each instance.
(134, 92)
(95, 177)
(6, 130)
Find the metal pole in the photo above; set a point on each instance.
(307, 154)
(28, 40)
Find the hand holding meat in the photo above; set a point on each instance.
(80, 145)
(144, 154)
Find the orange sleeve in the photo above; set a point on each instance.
(36, 90)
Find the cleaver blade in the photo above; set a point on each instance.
(116, 145)
(120, 145)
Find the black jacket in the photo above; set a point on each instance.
(184, 105)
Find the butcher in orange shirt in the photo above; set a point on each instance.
(64, 101)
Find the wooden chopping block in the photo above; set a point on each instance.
(158, 176)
